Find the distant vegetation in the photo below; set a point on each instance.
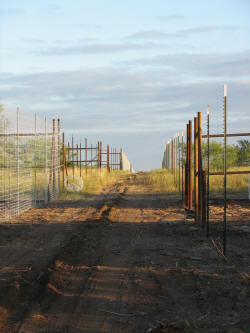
(237, 155)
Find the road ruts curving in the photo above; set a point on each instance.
(135, 265)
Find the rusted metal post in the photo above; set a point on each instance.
(72, 155)
(196, 163)
(100, 154)
(225, 172)
(179, 162)
(68, 151)
(91, 157)
(204, 205)
(58, 154)
(182, 160)
(64, 157)
(208, 169)
(86, 156)
(108, 168)
(187, 167)
(190, 183)
(80, 158)
(120, 159)
(77, 155)
(172, 155)
(200, 177)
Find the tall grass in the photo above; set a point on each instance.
(236, 184)
(93, 181)
(161, 180)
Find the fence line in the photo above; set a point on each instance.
(86, 157)
(29, 167)
(197, 175)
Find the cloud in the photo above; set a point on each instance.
(10, 11)
(209, 65)
(137, 111)
(150, 34)
(32, 40)
(168, 18)
(97, 48)
(184, 33)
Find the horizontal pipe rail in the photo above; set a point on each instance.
(228, 135)
(29, 134)
(229, 173)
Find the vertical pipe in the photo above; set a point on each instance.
(64, 157)
(46, 164)
(77, 155)
(225, 172)
(190, 167)
(182, 152)
(176, 160)
(35, 158)
(86, 156)
(5, 166)
(91, 156)
(72, 155)
(100, 154)
(200, 169)
(121, 159)
(58, 154)
(196, 170)
(18, 165)
(178, 163)
(68, 152)
(80, 158)
(53, 156)
(108, 168)
(208, 169)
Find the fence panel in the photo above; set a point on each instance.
(29, 165)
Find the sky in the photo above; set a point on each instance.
(128, 73)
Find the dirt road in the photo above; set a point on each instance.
(123, 261)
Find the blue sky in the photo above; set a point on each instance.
(129, 73)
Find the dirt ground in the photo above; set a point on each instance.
(126, 260)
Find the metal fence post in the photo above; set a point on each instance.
(208, 169)
(225, 172)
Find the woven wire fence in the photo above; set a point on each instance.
(29, 163)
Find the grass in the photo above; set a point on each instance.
(93, 182)
(162, 180)
(237, 185)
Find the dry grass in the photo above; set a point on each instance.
(93, 181)
(161, 180)
(236, 184)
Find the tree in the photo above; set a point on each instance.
(243, 152)
(3, 120)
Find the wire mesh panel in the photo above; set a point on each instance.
(29, 164)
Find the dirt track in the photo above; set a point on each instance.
(123, 261)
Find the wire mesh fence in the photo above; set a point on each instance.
(29, 163)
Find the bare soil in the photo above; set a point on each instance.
(126, 260)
